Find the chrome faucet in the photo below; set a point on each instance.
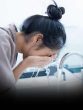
(63, 60)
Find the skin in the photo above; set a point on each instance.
(33, 54)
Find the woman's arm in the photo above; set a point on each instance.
(19, 70)
(31, 61)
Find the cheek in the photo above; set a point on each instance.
(37, 53)
(34, 53)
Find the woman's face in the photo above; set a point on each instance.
(39, 52)
(32, 48)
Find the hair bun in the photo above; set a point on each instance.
(55, 12)
(63, 10)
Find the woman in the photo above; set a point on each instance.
(40, 38)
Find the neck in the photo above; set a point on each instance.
(19, 42)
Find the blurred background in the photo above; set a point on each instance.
(17, 10)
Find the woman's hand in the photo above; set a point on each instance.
(31, 61)
(36, 61)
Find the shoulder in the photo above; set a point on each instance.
(8, 32)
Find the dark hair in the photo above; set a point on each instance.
(50, 26)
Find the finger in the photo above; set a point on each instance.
(42, 64)
(46, 59)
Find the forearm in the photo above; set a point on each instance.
(31, 61)
(19, 70)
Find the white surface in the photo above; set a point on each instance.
(71, 82)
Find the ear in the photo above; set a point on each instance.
(37, 39)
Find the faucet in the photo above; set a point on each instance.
(62, 62)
